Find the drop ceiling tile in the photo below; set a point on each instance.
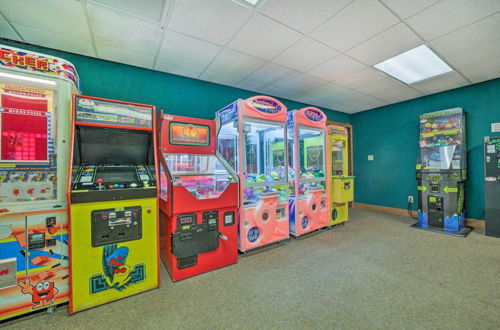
(58, 16)
(235, 64)
(336, 68)
(476, 55)
(469, 37)
(125, 57)
(268, 76)
(449, 15)
(219, 78)
(442, 83)
(406, 8)
(7, 32)
(329, 91)
(177, 68)
(151, 9)
(387, 44)
(188, 51)
(359, 21)
(264, 38)
(55, 40)
(305, 55)
(360, 78)
(297, 86)
(299, 14)
(389, 90)
(121, 31)
(483, 71)
(251, 85)
(212, 20)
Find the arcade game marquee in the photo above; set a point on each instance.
(442, 172)
(113, 201)
(252, 139)
(199, 199)
(35, 101)
(309, 202)
(342, 185)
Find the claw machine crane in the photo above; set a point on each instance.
(199, 199)
(310, 200)
(442, 172)
(252, 139)
(342, 185)
(35, 102)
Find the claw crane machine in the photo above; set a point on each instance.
(342, 185)
(199, 199)
(252, 139)
(35, 102)
(442, 172)
(310, 200)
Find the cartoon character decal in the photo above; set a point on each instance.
(117, 274)
(42, 293)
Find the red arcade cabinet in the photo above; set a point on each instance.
(199, 199)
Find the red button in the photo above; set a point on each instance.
(30, 191)
(43, 191)
(15, 191)
(111, 186)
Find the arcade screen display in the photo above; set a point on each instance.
(117, 174)
(25, 123)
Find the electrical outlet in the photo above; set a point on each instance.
(410, 199)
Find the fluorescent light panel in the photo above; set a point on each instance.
(252, 2)
(19, 77)
(415, 65)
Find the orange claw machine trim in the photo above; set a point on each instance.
(199, 199)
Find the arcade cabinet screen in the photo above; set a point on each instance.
(117, 174)
(24, 123)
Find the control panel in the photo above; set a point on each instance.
(112, 177)
(436, 211)
(110, 226)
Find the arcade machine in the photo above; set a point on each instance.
(310, 200)
(113, 202)
(199, 199)
(35, 101)
(492, 185)
(342, 185)
(252, 140)
(442, 172)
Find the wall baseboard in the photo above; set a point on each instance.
(475, 223)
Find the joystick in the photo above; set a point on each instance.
(99, 182)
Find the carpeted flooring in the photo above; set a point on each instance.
(373, 272)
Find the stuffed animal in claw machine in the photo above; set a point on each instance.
(42, 293)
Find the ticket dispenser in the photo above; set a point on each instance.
(113, 202)
(342, 185)
(199, 199)
(35, 102)
(492, 185)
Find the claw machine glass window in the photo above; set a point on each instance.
(311, 154)
(204, 176)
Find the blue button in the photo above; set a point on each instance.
(121, 186)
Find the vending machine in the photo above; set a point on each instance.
(309, 202)
(442, 171)
(199, 199)
(252, 140)
(112, 194)
(35, 102)
(492, 185)
(342, 184)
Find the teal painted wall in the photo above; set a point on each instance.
(177, 95)
(390, 133)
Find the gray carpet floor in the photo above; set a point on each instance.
(373, 272)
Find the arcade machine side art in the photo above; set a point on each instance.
(35, 102)
(114, 250)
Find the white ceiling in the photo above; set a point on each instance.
(318, 52)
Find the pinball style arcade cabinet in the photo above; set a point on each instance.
(199, 199)
(310, 200)
(252, 140)
(113, 201)
(442, 172)
(342, 185)
(35, 102)
(492, 185)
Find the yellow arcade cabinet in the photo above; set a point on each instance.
(114, 243)
(342, 185)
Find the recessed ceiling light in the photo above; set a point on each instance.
(415, 65)
(252, 2)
